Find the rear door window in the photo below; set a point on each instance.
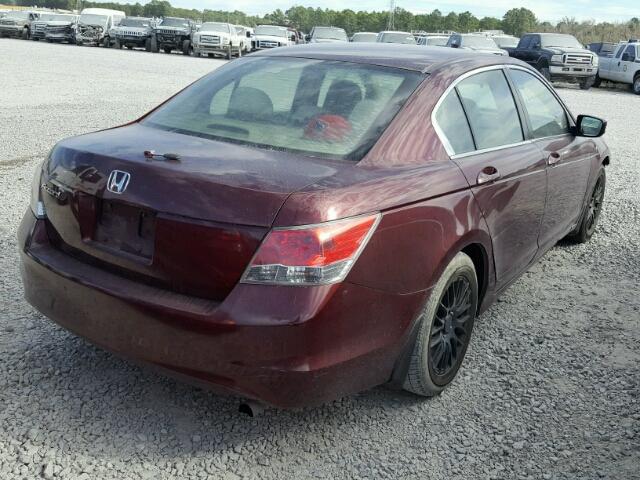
(525, 42)
(451, 119)
(546, 115)
(631, 52)
(491, 110)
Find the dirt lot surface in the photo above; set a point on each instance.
(549, 390)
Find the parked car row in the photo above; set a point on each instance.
(558, 57)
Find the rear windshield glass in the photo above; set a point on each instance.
(478, 41)
(437, 41)
(329, 33)
(397, 38)
(317, 107)
(365, 37)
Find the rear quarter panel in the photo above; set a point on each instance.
(428, 211)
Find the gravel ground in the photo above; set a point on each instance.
(549, 389)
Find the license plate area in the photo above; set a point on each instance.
(126, 229)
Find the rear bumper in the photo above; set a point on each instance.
(285, 346)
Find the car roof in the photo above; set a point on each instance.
(409, 57)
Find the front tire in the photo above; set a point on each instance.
(186, 47)
(587, 83)
(229, 54)
(636, 85)
(546, 73)
(25, 34)
(446, 323)
(597, 82)
(589, 221)
(106, 42)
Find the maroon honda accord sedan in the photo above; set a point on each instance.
(309, 222)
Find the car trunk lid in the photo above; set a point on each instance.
(190, 225)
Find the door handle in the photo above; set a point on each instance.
(554, 158)
(487, 175)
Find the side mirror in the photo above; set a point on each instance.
(248, 34)
(587, 126)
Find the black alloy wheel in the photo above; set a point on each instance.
(451, 330)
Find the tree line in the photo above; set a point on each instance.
(516, 21)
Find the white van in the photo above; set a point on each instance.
(94, 25)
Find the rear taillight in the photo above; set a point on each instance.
(311, 255)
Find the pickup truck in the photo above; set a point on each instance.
(622, 67)
(603, 49)
(558, 57)
(217, 38)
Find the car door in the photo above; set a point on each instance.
(520, 52)
(568, 157)
(614, 65)
(506, 173)
(534, 51)
(626, 65)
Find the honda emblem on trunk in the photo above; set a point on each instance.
(118, 181)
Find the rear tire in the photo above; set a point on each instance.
(589, 221)
(446, 323)
(240, 51)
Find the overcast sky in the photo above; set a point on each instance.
(552, 10)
